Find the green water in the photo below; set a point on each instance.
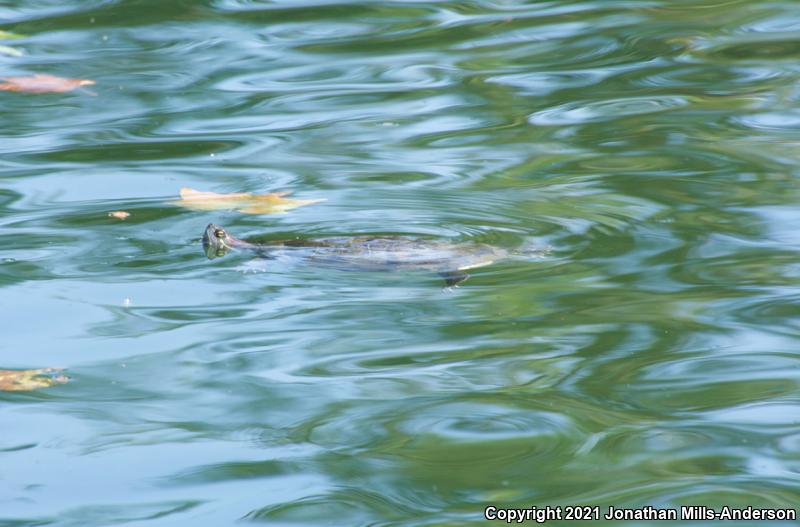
(651, 358)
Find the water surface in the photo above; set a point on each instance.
(650, 359)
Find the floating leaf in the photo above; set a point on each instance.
(27, 380)
(4, 35)
(119, 214)
(272, 203)
(42, 84)
(13, 52)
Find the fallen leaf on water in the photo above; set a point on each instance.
(13, 52)
(8, 35)
(27, 380)
(272, 203)
(119, 214)
(42, 84)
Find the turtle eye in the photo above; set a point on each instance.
(220, 233)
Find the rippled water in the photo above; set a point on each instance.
(649, 359)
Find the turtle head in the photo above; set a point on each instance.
(216, 241)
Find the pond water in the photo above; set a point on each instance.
(649, 358)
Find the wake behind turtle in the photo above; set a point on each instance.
(366, 253)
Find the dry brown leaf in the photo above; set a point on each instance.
(119, 214)
(27, 380)
(42, 84)
(272, 203)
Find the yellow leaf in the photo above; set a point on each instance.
(27, 380)
(244, 202)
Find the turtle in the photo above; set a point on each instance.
(366, 253)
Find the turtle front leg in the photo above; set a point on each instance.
(454, 278)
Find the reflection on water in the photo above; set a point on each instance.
(649, 359)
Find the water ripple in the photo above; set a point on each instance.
(575, 113)
(648, 357)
